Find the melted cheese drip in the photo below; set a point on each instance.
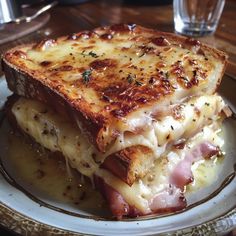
(195, 113)
(57, 134)
(142, 191)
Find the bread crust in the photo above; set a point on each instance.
(26, 86)
(130, 164)
(100, 124)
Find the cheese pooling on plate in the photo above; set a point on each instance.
(57, 134)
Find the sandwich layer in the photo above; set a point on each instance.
(114, 79)
(161, 189)
(131, 155)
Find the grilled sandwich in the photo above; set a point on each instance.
(129, 107)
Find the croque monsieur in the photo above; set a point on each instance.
(129, 107)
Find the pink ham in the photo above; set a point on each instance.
(170, 199)
(182, 174)
(118, 206)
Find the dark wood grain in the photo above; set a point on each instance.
(10, 32)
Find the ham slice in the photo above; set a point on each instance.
(169, 199)
(118, 206)
(182, 174)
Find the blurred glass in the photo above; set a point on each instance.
(9, 10)
(197, 17)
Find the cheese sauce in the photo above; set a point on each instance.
(45, 174)
(57, 134)
(204, 173)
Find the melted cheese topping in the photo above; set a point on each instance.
(119, 76)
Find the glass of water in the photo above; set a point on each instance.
(197, 17)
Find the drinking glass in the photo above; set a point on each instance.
(9, 10)
(197, 17)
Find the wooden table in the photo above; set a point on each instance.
(68, 19)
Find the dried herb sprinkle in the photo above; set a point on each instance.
(93, 54)
(86, 76)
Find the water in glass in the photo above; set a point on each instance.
(197, 17)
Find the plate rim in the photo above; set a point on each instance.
(21, 224)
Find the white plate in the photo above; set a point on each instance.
(214, 209)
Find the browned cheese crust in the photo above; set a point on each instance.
(99, 78)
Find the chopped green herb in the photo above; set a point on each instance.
(83, 53)
(142, 54)
(138, 83)
(167, 75)
(130, 78)
(185, 79)
(207, 104)
(93, 54)
(86, 76)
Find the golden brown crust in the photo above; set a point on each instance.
(30, 88)
(118, 88)
(130, 163)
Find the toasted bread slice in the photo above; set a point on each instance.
(132, 155)
(130, 164)
(113, 79)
